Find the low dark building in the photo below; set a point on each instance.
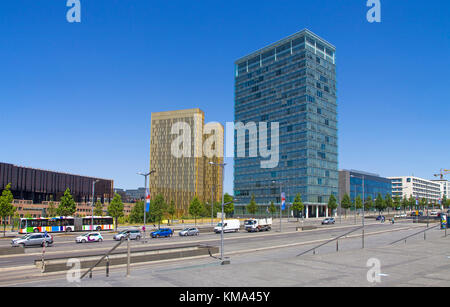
(42, 185)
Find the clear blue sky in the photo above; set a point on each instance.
(77, 97)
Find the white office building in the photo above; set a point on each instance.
(419, 188)
(445, 188)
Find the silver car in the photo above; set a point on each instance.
(189, 232)
(34, 239)
(135, 234)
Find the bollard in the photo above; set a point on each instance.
(128, 256)
(90, 274)
(107, 266)
(337, 245)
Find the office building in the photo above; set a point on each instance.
(445, 187)
(351, 183)
(291, 82)
(407, 186)
(179, 154)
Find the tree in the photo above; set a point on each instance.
(297, 205)
(412, 202)
(195, 208)
(137, 213)
(228, 209)
(158, 208)
(332, 203)
(397, 202)
(346, 203)
(379, 203)
(67, 205)
(389, 204)
(358, 202)
(405, 203)
(98, 209)
(115, 208)
(272, 209)
(445, 202)
(7, 209)
(369, 203)
(252, 207)
(423, 203)
(51, 209)
(171, 210)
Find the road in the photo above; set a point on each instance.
(18, 268)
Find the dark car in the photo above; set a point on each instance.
(380, 217)
(163, 232)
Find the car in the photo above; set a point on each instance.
(162, 232)
(35, 239)
(189, 232)
(89, 237)
(328, 220)
(380, 217)
(135, 234)
(400, 215)
(434, 213)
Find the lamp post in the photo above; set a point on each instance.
(363, 203)
(281, 214)
(222, 165)
(146, 195)
(93, 195)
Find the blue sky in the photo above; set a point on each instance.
(77, 97)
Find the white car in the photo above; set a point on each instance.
(89, 237)
(400, 215)
(434, 213)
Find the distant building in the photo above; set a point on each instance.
(407, 186)
(445, 187)
(182, 174)
(351, 183)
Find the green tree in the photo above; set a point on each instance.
(405, 203)
(445, 202)
(368, 203)
(252, 207)
(67, 205)
(158, 208)
(397, 202)
(423, 203)
(137, 213)
(388, 202)
(7, 209)
(51, 209)
(379, 203)
(115, 208)
(358, 202)
(412, 202)
(228, 209)
(98, 209)
(297, 205)
(272, 209)
(171, 210)
(346, 203)
(195, 208)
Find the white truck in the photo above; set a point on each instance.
(229, 226)
(253, 225)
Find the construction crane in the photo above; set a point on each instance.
(442, 173)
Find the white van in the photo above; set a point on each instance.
(229, 226)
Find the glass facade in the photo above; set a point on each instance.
(292, 82)
(372, 186)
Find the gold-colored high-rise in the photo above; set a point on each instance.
(181, 147)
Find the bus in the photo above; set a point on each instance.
(65, 224)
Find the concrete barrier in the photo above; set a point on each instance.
(311, 227)
(11, 250)
(119, 258)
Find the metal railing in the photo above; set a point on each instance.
(329, 241)
(414, 234)
(107, 259)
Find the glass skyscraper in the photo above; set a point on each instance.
(292, 82)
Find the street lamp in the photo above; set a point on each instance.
(146, 194)
(363, 202)
(274, 181)
(93, 195)
(222, 165)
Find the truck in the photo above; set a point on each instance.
(252, 225)
(229, 226)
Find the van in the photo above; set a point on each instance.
(229, 226)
